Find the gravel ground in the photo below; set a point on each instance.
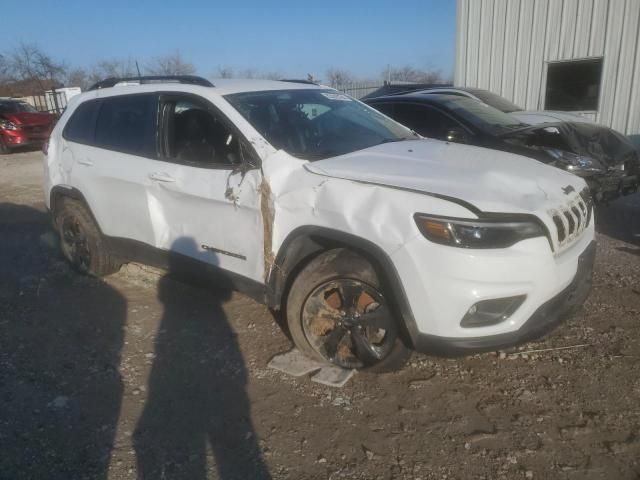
(139, 376)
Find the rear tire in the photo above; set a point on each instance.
(337, 313)
(81, 241)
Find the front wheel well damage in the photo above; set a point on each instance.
(59, 193)
(306, 243)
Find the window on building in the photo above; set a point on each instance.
(573, 85)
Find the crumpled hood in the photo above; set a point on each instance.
(602, 143)
(490, 180)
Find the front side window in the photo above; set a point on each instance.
(425, 120)
(195, 135)
(316, 124)
(127, 124)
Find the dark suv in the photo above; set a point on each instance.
(606, 159)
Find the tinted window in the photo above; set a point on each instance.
(128, 124)
(316, 124)
(427, 121)
(81, 126)
(196, 135)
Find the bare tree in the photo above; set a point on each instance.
(337, 77)
(412, 74)
(29, 62)
(116, 67)
(249, 73)
(4, 69)
(225, 72)
(78, 77)
(273, 75)
(229, 72)
(173, 64)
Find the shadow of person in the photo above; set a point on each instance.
(197, 399)
(61, 335)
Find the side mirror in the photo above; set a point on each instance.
(456, 135)
(243, 162)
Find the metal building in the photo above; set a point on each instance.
(572, 55)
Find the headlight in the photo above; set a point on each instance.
(499, 233)
(578, 164)
(7, 125)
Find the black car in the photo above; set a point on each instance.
(607, 160)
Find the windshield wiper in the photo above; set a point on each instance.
(309, 156)
(392, 140)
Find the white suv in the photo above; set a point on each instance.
(372, 240)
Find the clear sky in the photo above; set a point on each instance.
(291, 37)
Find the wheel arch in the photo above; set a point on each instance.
(306, 242)
(59, 192)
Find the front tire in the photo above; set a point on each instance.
(338, 313)
(82, 243)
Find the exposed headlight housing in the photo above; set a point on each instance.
(578, 164)
(490, 233)
(7, 125)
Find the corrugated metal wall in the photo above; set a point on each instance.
(504, 46)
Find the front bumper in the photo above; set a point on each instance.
(20, 138)
(544, 319)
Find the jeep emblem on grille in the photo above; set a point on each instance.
(568, 189)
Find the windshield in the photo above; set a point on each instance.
(482, 116)
(316, 124)
(16, 107)
(496, 101)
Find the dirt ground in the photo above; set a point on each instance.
(140, 376)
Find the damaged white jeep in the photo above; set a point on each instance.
(371, 240)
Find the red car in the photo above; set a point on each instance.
(22, 125)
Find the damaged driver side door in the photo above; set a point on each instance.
(204, 193)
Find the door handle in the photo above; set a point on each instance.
(162, 177)
(86, 163)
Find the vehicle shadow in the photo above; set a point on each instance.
(61, 336)
(620, 219)
(197, 416)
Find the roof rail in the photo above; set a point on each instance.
(293, 80)
(189, 79)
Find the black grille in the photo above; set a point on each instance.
(560, 227)
(570, 220)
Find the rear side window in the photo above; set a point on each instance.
(128, 124)
(81, 126)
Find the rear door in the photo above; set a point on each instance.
(205, 193)
(110, 145)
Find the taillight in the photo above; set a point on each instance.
(45, 147)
